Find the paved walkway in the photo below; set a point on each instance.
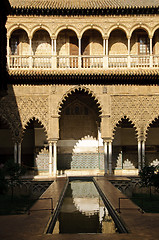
(32, 227)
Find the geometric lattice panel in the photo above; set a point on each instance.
(81, 161)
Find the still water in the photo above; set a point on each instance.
(83, 211)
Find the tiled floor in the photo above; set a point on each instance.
(32, 227)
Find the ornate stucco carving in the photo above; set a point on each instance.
(141, 110)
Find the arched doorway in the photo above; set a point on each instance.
(79, 146)
(35, 154)
(152, 144)
(6, 143)
(125, 148)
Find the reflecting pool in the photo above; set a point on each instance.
(83, 211)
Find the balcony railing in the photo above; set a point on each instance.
(74, 62)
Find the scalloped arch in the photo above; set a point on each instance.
(120, 120)
(16, 27)
(149, 123)
(72, 90)
(27, 122)
(116, 27)
(38, 27)
(64, 27)
(94, 27)
(140, 26)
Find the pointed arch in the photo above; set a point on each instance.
(79, 88)
(120, 121)
(28, 121)
(150, 124)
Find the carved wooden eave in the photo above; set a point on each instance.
(110, 77)
(85, 12)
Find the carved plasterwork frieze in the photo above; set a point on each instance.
(33, 107)
(141, 110)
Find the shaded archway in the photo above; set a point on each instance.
(92, 48)
(118, 48)
(67, 49)
(19, 49)
(6, 143)
(155, 45)
(79, 143)
(35, 155)
(41, 49)
(152, 143)
(125, 147)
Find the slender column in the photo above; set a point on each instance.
(128, 52)
(53, 54)
(15, 152)
(105, 53)
(19, 153)
(55, 46)
(103, 46)
(105, 157)
(143, 153)
(139, 155)
(52, 46)
(8, 60)
(55, 158)
(107, 59)
(110, 157)
(151, 57)
(50, 158)
(79, 52)
(30, 58)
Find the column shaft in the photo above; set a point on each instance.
(105, 157)
(55, 158)
(129, 53)
(143, 153)
(19, 153)
(139, 155)
(110, 158)
(50, 158)
(15, 152)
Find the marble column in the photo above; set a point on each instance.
(30, 50)
(19, 153)
(15, 152)
(105, 157)
(55, 158)
(139, 155)
(143, 153)
(151, 56)
(50, 158)
(79, 52)
(110, 157)
(129, 63)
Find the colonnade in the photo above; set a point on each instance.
(108, 155)
(52, 156)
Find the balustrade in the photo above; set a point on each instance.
(97, 62)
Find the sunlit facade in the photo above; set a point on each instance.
(83, 95)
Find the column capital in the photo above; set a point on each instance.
(107, 140)
(52, 140)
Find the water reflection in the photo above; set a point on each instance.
(83, 211)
